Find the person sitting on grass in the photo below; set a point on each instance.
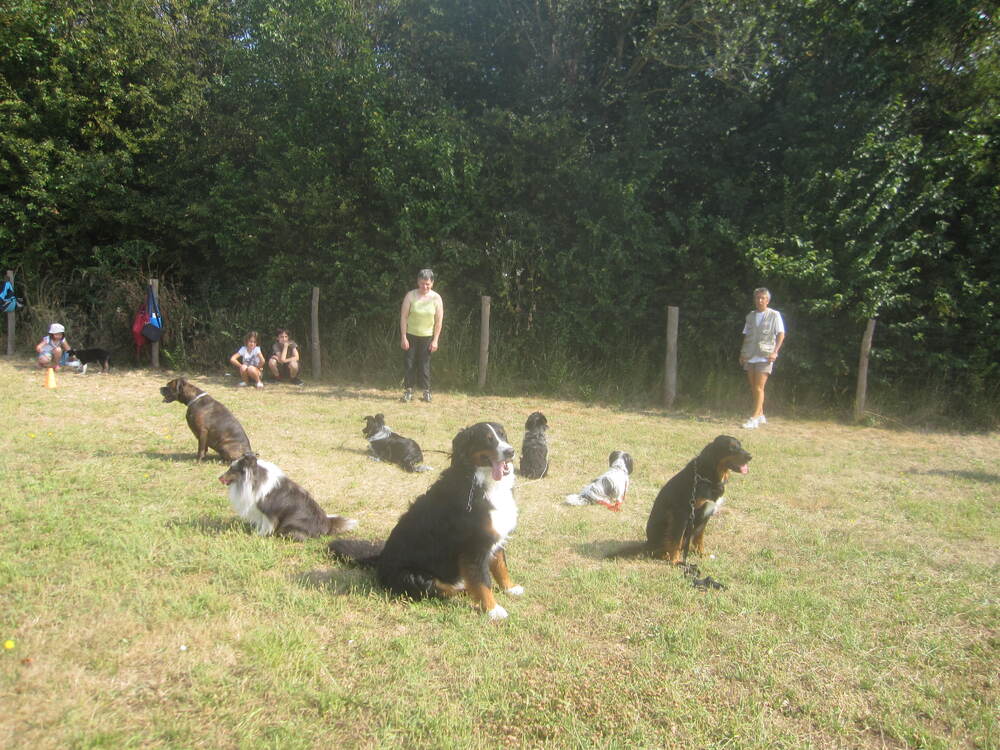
(284, 360)
(249, 361)
(53, 349)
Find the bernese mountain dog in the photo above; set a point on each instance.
(700, 485)
(452, 538)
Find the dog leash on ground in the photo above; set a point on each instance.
(690, 569)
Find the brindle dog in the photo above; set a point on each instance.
(211, 422)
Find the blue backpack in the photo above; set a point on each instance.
(153, 330)
(8, 302)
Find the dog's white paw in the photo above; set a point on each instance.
(351, 524)
(497, 613)
(515, 590)
(575, 500)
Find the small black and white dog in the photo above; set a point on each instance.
(608, 489)
(87, 356)
(386, 445)
(261, 494)
(534, 447)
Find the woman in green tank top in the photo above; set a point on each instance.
(420, 319)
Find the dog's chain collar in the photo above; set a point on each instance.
(691, 570)
(203, 393)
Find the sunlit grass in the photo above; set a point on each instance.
(861, 566)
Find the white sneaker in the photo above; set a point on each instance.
(761, 420)
(258, 384)
(751, 424)
(241, 384)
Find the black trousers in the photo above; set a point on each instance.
(417, 363)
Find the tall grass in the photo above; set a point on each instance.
(201, 335)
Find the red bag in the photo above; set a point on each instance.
(138, 323)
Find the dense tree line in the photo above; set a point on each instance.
(583, 162)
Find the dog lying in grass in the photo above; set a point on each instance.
(386, 445)
(610, 488)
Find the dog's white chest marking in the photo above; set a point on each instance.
(503, 516)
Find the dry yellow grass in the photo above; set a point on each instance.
(861, 564)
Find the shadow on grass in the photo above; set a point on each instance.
(340, 581)
(975, 476)
(211, 458)
(212, 525)
(615, 549)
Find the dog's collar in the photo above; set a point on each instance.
(203, 393)
(381, 434)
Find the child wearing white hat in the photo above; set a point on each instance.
(53, 348)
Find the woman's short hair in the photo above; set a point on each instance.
(425, 274)
(281, 331)
(253, 334)
(763, 289)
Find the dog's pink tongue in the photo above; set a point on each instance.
(744, 469)
(498, 467)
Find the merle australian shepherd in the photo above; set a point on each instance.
(452, 538)
(610, 488)
(534, 447)
(90, 356)
(390, 446)
(262, 495)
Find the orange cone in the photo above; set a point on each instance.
(50, 378)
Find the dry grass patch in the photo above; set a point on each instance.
(861, 565)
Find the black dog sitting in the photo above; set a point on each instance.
(534, 447)
(87, 356)
(386, 445)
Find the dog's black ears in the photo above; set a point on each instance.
(250, 459)
(615, 455)
(380, 417)
(458, 442)
(726, 443)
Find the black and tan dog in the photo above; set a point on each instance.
(452, 538)
(701, 483)
(211, 422)
(91, 356)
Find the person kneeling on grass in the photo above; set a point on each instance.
(249, 361)
(53, 349)
(284, 360)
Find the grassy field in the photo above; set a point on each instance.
(861, 565)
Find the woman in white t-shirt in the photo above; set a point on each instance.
(763, 335)
(249, 361)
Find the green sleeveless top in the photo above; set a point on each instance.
(420, 321)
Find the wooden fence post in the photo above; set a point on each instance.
(484, 340)
(154, 347)
(862, 390)
(10, 321)
(314, 335)
(670, 377)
